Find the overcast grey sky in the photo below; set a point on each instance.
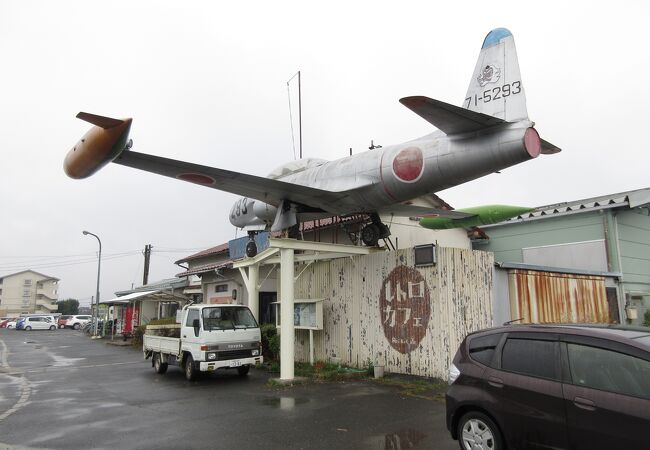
(206, 82)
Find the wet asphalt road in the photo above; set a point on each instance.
(60, 389)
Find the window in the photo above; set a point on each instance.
(27, 283)
(425, 255)
(482, 348)
(227, 318)
(531, 357)
(221, 288)
(191, 315)
(608, 370)
(26, 292)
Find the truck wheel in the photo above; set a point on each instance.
(159, 366)
(243, 370)
(190, 369)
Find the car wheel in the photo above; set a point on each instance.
(52, 328)
(243, 370)
(76, 326)
(28, 328)
(476, 431)
(159, 366)
(190, 369)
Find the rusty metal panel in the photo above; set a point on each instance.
(546, 297)
(379, 308)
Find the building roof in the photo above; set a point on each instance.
(629, 199)
(30, 270)
(222, 248)
(206, 268)
(166, 284)
(154, 294)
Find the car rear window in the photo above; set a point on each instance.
(482, 348)
(607, 370)
(531, 357)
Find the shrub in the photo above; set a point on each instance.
(137, 335)
(270, 341)
(646, 318)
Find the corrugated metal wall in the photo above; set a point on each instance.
(546, 297)
(380, 308)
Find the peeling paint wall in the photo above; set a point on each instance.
(547, 297)
(375, 313)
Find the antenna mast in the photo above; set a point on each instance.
(299, 113)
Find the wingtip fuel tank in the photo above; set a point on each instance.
(100, 145)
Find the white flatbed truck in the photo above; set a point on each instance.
(212, 337)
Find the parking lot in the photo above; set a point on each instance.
(60, 389)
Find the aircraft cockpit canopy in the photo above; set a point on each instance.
(296, 166)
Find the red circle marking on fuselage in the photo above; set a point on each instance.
(408, 164)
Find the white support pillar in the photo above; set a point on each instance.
(311, 347)
(286, 314)
(254, 290)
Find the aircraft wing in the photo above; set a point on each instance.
(448, 118)
(269, 190)
(421, 211)
(260, 188)
(429, 205)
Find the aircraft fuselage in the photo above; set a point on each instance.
(397, 174)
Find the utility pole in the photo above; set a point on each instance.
(147, 256)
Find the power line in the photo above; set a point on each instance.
(27, 265)
(49, 261)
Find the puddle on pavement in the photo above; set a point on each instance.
(284, 403)
(398, 440)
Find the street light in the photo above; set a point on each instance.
(99, 265)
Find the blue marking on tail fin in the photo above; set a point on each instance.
(495, 36)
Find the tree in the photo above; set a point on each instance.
(68, 307)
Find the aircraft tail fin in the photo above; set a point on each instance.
(496, 88)
(100, 121)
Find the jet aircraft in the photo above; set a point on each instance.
(490, 132)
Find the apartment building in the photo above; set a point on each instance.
(28, 292)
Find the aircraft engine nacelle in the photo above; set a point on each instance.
(246, 212)
(100, 145)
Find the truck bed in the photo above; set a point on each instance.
(161, 344)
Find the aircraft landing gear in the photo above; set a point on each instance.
(374, 231)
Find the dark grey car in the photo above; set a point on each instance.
(551, 387)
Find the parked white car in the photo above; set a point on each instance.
(77, 322)
(12, 323)
(39, 323)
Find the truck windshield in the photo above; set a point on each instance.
(227, 318)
